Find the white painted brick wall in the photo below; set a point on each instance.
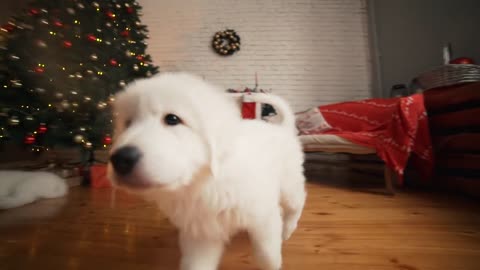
(311, 52)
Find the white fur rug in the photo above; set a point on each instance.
(18, 188)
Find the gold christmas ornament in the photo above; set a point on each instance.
(13, 57)
(13, 121)
(65, 104)
(41, 44)
(101, 105)
(78, 138)
(16, 83)
(40, 90)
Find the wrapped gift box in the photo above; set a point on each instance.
(98, 176)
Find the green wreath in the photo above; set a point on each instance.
(226, 42)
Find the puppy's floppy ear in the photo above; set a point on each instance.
(214, 137)
(124, 106)
(211, 142)
(213, 159)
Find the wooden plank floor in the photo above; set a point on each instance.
(341, 228)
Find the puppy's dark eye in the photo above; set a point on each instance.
(128, 123)
(172, 119)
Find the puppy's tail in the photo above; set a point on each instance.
(280, 105)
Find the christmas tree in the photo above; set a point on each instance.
(61, 63)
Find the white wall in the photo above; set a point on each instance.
(310, 51)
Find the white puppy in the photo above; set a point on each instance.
(18, 188)
(183, 143)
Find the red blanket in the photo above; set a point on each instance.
(397, 128)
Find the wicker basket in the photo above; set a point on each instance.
(448, 75)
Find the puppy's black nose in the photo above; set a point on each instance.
(124, 159)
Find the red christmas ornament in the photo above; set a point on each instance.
(91, 37)
(34, 11)
(113, 62)
(130, 10)
(8, 27)
(140, 57)
(110, 14)
(107, 140)
(29, 139)
(125, 33)
(39, 69)
(58, 23)
(67, 44)
(42, 128)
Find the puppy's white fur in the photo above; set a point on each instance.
(18, 188)
(216, 173)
